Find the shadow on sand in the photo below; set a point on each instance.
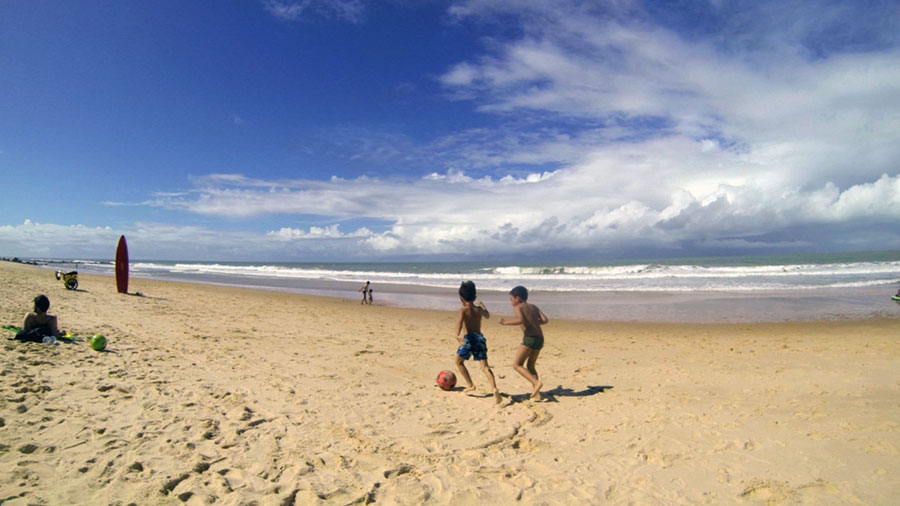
(559, 391)
(139, 294)
(546, 395)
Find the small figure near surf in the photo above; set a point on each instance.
(365, 292)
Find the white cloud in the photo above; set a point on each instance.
(592, 205)
(383, 243)
(329, 232)
(347, 10)
(163, 241)
(462, 74)
(33, 239)
(457, 216)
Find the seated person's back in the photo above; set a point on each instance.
(40, 320)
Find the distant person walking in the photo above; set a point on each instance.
(365, 291)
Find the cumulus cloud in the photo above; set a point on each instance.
(162, 241)
(455, 215)
(594, 205)
(32, 239)
(329, 232)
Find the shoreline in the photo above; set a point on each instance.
(661, 307)
(225, 395)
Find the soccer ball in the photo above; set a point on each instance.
(98, 342)
(446, 380)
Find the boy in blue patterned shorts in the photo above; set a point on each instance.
(473, 344)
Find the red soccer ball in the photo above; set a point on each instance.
(446, 380)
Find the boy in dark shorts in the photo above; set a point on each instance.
(530, 318)
(473, 344)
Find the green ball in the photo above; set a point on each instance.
(98, 342)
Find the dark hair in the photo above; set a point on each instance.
(520, 292)
(41, 304)
(467, 291)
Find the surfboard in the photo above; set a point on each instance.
(122, 265)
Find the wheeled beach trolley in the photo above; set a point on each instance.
(69, 278)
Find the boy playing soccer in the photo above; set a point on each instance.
(530, 318)
(473, 344)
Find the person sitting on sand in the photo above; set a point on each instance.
(473, 344)
(530, 318)
(39, 324)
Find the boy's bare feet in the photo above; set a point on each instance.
(497, 399)
(470, 388)
(536, 394)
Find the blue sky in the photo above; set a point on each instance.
(379, 130)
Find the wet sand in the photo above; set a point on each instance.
(230, 396)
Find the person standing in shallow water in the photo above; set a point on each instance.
(530, 317)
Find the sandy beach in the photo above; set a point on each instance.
(214, 395)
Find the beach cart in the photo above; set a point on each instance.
(69, 278)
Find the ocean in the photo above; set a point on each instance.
(722, 289)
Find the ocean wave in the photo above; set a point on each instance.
(696, 271)
(638, 277)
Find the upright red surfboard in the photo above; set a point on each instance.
(122, 265)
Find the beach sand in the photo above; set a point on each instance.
(219, 395)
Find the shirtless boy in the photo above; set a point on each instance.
(473, 344)
(530, 318)
(39, 319)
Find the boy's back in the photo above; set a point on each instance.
(472, 315)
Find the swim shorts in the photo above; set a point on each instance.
(533, 342)
(35, 335)
(474, 346)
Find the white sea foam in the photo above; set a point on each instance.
(628, 278)
(714, 290)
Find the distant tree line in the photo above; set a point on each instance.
(18, 260)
